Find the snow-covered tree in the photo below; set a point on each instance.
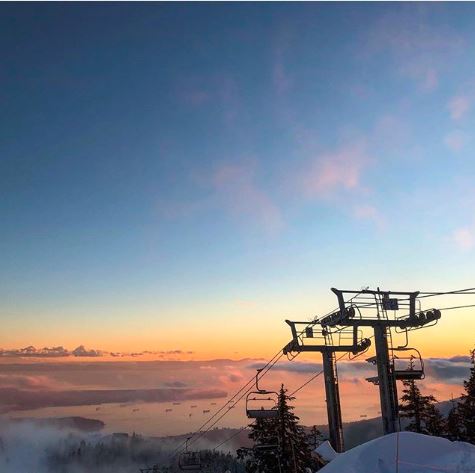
(295, 450)
(280, 444)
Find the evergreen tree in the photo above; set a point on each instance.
(435, 422)
(454, 423)
(264, 456)
(424, 417)
(294, 448)
(315, 437)
(280, 444)
(466, 407)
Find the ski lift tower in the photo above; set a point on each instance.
(379, 310)
(323, 340)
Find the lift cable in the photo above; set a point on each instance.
(461, 292)
(313, 377)
(226, 405)
(202, 433)
(316, 375)
(232, 436)
(458, 307)
(265, 369)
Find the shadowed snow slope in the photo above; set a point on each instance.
(406, 452)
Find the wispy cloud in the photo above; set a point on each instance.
(459, 106)
(464, 238)
(419, 50)
(336, 171)
(456, 140)
(370, 213)
(220, 90)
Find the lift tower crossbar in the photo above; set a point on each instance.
(310, 341)
(371, 309)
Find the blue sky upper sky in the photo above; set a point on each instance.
(170, 169)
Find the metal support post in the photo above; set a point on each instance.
(386, 381)
(335, 424)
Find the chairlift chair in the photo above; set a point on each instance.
(262, 404)
(188, 460)
(410, 367)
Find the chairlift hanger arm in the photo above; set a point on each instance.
(324, 345)
(375, 292)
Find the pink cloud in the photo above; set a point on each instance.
(25, 382)
(237, 191)
(370, 213)
(456, 140)
(219, 90)
(335, 171)
(458, 107)
(234, 376)
(464, 238)
(418, 50)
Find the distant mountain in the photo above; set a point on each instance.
(81, 424)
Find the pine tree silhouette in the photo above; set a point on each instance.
(454, 423)
(315, 437)
(295, 450)
(466, 406)
(280, 444)
(424, 416)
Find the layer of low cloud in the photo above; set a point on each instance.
(30, 446)
(449, 370)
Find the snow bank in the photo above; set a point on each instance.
(406, 452)
(326, 451)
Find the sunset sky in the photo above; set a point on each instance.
(181, 178)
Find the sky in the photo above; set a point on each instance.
(178, 179)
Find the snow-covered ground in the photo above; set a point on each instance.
(406, 452)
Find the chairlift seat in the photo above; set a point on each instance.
(267, 447)
(262, 413)
(189, 461)
(408, 368)
(408, 375)
(262, 404)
